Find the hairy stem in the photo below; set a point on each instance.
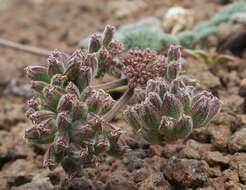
(110, 85)
(120, 104)
(24, 48)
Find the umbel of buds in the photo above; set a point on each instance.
(67, 113)
(168, 107)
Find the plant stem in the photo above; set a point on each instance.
(119, 104)
(120, 89)
(110, 85)
(25, 48)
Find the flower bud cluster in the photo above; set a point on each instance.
(67, 113)
(169, 106)
(140, 66)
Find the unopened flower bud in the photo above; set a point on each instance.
(214, 107)
(80, 111)
(47, 131)
(199, 111)
(108, 35)
(174, 53)
(173, 70)
(66, 102)
(101, 145)
(155, 99)
(79, 152)
(95, 121)
(32, 134)
(140, 94)
(38, 86)
(153, 86)
(177, 86)
(132, 118)
(87, 92)
(166, 129)
(84, 78)
(72, 89)
(59, 80)
(61, 142)
(72, 71)
(172, 106)
(150, 115)
(34, 102)
(81, 132)
(40, 116)
(63, 120)
(111, 132)
(54, 66)
(95, 43)
(183, 127)
(37, 73)
(29, 112)
(92, 62)
(52, 95)
(50, 158)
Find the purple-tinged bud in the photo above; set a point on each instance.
(54, 66)
(79, 152)
(52, 95)
(172, 106)
(59, 80)
(95, 43)
(60, 57)
(72, 89)
(66, 102)
(40, 116)
(95, 121)
(31, 134)
(189, 80)
(132, 118)
(38, 86)
(108, 35)
(64, 120)
(111, 132)
(173, 70)
(186, 98)
(61, 142)
(214, 107)
(164, 86)
(166, 128)
(140, 94)
(47, 130)
(81, 132)
(177, 86)
(34, 102)
(199, 95)
(37, 73)
(101, 145)
(92, 62)
(50, 158)
(153, 86)
(150, 115)
(29, 112)
(199, 111)
(183, 127)
(87, 92)
(107, 104)
(80, 111)
(72, 71)
(155, 99)
(99, 102)
(174, 53)
(84, 78)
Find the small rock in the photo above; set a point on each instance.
(155, 181)
(132, 162)
(215, 158)
(233, 103)
(238, 141)
(117, 181)
(77, 183)
(186, 172)
(189, 153)
(140, 175)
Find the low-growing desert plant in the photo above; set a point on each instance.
(74, 117)
(145, 38)
(211, 57)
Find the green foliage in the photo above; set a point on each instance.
(143, 37)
